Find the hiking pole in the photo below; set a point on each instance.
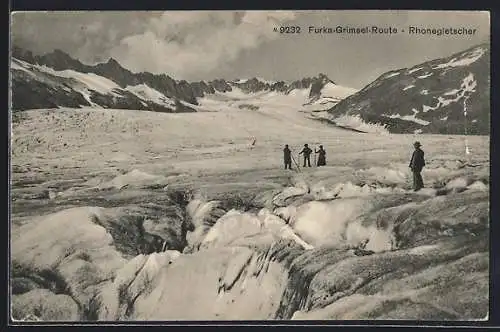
(467, 152)
(298, 168)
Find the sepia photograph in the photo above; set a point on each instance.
(303, 165)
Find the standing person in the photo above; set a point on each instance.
(307, 155)
(287, 155)
(417, 162)
(321, 157)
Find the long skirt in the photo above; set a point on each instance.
(321, 160)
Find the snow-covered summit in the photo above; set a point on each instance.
(57, 80)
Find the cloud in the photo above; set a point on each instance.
(204, 45)
(87, 36)
(186, 44)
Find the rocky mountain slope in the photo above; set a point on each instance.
(428, 97)
(57, 80)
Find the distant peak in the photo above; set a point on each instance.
(60, 53)
(112, 61)
(112, 64)
(325, 78)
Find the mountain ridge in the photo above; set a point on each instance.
(427, 97)
(181, 91)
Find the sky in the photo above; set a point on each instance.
(205, 45)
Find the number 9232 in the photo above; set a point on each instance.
(291, 29)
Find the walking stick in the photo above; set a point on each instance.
(298, 168)
(314, 156)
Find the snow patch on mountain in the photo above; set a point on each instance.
(472, 57)
(330, 95)
(469, 83)
(468, 86)
(60, 81)
(440, 84)
(412, 117)
(81, 84)
(336, 91)
(91, 81)
(414, 70)
(392, 75)
(296, 100)
(265, 81)
(425, 75)
(145, 92)
(355, 122)
(19, 65)
(451, 92)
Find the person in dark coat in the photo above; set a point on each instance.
(287, 155)
(417, 162)
(321, 157)
(307, 155)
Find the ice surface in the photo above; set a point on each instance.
(47, 306)
(353, 232)
(135, 178)
(478, 185)
(328, 223)
(222, 284)
(457, 183)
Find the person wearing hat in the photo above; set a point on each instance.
(287, 155)
(307, 155)
(321, 157)
(417, 162)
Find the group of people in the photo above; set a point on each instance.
(417, 161)
(306, 151)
